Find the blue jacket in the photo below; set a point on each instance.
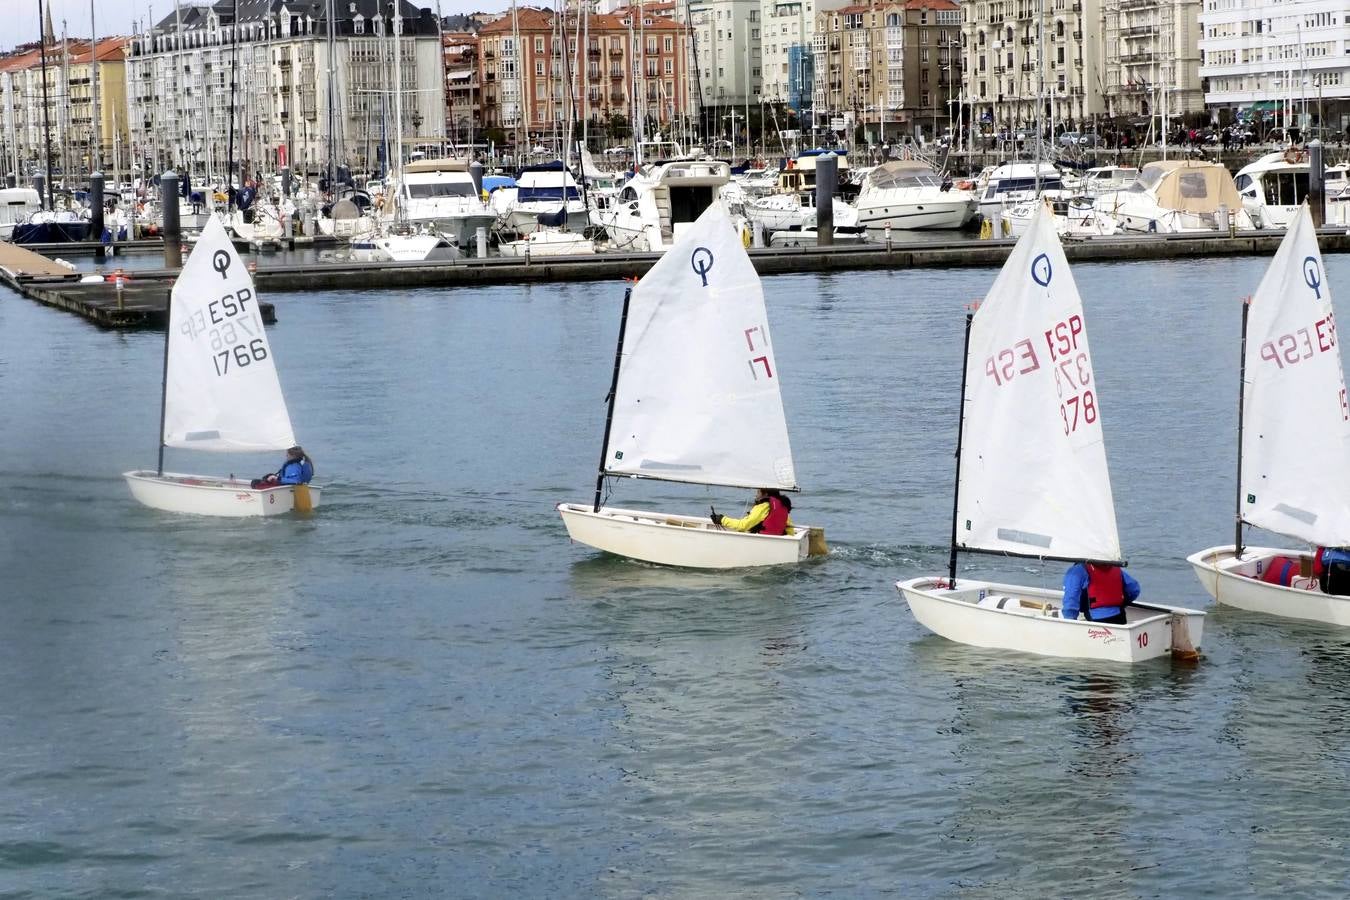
(1075, 592)
(295, 471)
(1335, 555)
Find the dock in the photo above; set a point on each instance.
(142, 301)
(144, 297)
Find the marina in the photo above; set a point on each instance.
(426, 677)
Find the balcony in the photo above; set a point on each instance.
(616, 73)
(489, 54)
(617, 98)
(616, 51)
(593, 53)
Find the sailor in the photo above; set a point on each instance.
(1331, 568)
(297, 469)
(1101, 591)
(769, 514)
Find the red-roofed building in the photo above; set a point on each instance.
(463, 95)
(629, 63)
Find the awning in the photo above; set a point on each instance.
(1264, 105)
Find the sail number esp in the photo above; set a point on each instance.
(1305, 343)
(233, 328)
(1071, 366)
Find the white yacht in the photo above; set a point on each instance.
(540, 190)
(1098, 180)
(1014, 182)
(909, 195)
(385, 246)
(655, 207)
(1074, 216)
(1176, 196)
(797, 210)
(439, 194)
(17, 204)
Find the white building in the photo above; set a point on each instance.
(179, 95)
(1288, 62)
(1152, 63)
(726, 56)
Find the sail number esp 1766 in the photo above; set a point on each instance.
(233, 328)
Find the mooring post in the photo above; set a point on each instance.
(827, 179)
(96, 212)
(1317, 183)
(172, 227)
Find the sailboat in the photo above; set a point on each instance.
(1293, 441)
(1031, 474)
(221, 391)
(695, 398)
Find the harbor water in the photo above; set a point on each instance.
(425, 690)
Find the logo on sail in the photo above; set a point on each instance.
(702, 261)
(1041, 271)
(220, 261)
(1312, 275)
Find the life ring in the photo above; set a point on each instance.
(113, 277)
(1293, 156)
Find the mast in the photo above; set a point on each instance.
(1040, 95)
(960, 427)
(97, 155)
(1242, 391)
(164, 382)
(234, 81)
(613, 392)
(332, 68)
(46, 119)
(177, 77)
(398, 93)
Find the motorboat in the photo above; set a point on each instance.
(720, 422)
(1043, 492)
(548, 242)
(783, 212)
(655, 207)
(1100, 179)
(1177, 196)
(1075, 216)
(1012, 183)
(1274, 187)
(440, 195)
(1293, 428)
(17, 205)
(540, 190)
(909, 195)
(401, 246)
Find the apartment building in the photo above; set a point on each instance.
(294, 86)
(1282, 63)
(628, 66)
(726, 56)
(1017, 51)
(892, 67)
(463, 98)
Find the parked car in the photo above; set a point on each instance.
(1077, 139)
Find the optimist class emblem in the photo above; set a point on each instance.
(1312, 275)
(1041, 271)
(702, 262)
(220, 261)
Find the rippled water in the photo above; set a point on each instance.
(425, 690)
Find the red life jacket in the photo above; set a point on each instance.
(776, 521)
(1106, 586)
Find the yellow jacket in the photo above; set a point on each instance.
(758, 513)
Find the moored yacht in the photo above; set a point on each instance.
(439, 194)
(540, 190)
(1014, 182)
(655, 207)
(909, 195)
(1175, 196)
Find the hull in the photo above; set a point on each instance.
(1235, 581)
(674, 540)
(940, 214)
(460, 229)
(551, 244)
(1029, 623)
(204, 495)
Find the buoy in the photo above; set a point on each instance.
(118, 277)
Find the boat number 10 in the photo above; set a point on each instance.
(1070, 365)
(233, 330)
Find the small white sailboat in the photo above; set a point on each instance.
(695, 399)
(1031, 477)
(1294, 441)
(221, 391)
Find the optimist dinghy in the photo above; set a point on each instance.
(1031, 475)
(221, 392)
(694, 399)
(1293, 441)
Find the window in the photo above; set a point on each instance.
(668, 44)
(926, 99)
(670, 67)
(1193, 185)
(539, 67)
(539, 48)
(754, 34)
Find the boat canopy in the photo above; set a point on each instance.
(447, 164)
(1190, 186)
(903, 174)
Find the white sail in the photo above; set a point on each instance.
(698, 394)
(1033, 465)
(221, 390)
(1296, 422)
